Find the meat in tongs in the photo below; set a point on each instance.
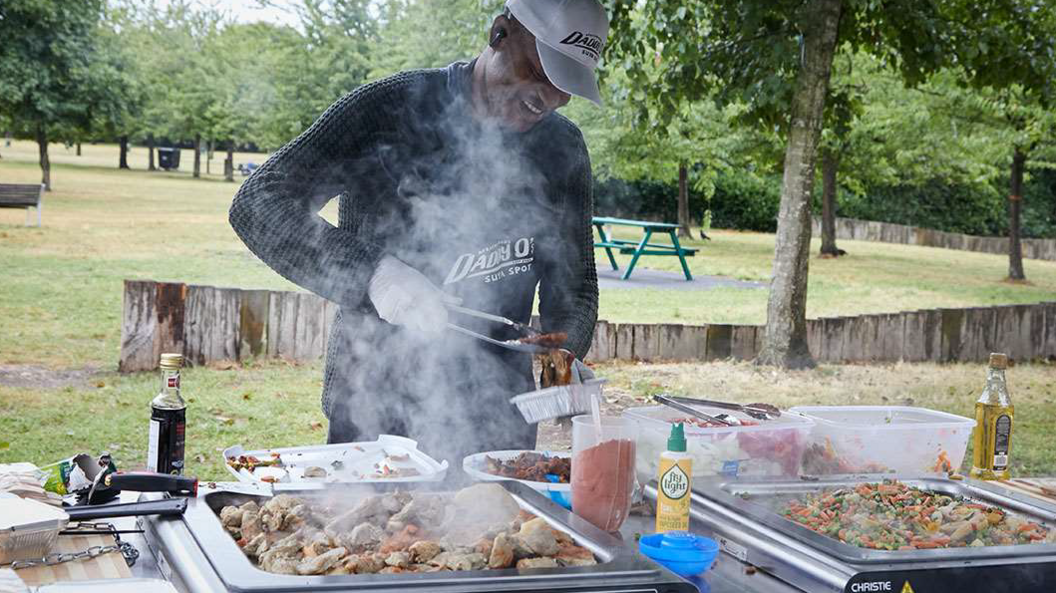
(531, 340)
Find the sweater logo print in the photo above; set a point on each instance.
(501, 260)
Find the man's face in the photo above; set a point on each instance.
(516, 91)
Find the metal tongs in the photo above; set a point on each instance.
(525, 331)
(681, 407)
(758, 411)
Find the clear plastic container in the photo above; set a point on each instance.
(603, 477)
(760, 448)
(884, 439)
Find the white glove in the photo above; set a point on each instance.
(403, 296)
(581, 373)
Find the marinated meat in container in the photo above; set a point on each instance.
(749, 448)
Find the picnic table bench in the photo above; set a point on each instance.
(643, 247)
(22, 195)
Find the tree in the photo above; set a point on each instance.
(776, 56)
(52, 71)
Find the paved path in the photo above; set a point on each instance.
(646, 278)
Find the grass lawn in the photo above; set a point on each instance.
(60, 306)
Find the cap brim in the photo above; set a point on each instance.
(567, 74)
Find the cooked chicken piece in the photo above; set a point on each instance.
(297, 516)
(256, 546)
(392, 570)
(250, 525)
(366, 509)
(483, 546)
(346, 565)
(322, 562)
(536, 563)
(573, 555)
(425, 568)
(280, 564)
(314, 472)
(231, 516)
(472, 561)
(272, 520)
(521, 549)
(369, 564)
(539, 538)
(398, 559)
(402, 540)
(363, 536)
(501, 552)
(319, 543)
(394, 502)
(281, 503)
(440, 559)
(424, 550)
(250, 506)
(288, 546)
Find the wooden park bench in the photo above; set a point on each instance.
(643, 247)
(26, 196)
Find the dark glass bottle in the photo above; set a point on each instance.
(168, 420)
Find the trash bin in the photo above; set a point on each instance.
(168, 158)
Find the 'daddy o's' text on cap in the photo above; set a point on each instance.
(570, 35)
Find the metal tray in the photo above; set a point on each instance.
(731, 494)
(619, 568)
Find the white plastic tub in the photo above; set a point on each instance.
(771, 448)
(884, 439)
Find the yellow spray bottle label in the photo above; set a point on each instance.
(676, 471)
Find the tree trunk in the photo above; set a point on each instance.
(78, 149)
(683, 202)
(785, 342)
(150, 153)
(123, 160)
(197, 155)
(45, 164)
(208, 157)
(229, 162)
(830, 163)
(1015, 202)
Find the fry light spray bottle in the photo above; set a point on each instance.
(676, 471)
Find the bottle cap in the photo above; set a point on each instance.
(677, 441)
(171, 361)
(682, 552)
(998, 361)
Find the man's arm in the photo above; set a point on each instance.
(275, 212)
(568, 289)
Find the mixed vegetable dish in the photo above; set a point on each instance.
(893, 516)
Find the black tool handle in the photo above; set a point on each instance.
(154, 482)
(167, 507)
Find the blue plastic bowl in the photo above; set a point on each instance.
(683, 553)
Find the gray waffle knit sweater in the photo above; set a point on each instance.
(487, 216)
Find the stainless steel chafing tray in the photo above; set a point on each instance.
(759, 500)
(753, 532)
(201, 534)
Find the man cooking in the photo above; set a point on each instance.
(456, 186)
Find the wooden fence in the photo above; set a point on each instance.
(211, 324)
(886, 232)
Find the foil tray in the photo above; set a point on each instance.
(202, 539)
(758, 499)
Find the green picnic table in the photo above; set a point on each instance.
(643, 247)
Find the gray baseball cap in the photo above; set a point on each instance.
(570, 36)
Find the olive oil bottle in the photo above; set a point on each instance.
(993, 424)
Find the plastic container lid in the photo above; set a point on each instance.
(683, 553)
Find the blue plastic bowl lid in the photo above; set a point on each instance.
(678, 546)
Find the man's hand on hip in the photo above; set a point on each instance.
(403, 296)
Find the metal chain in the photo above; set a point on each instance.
(127, 550)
